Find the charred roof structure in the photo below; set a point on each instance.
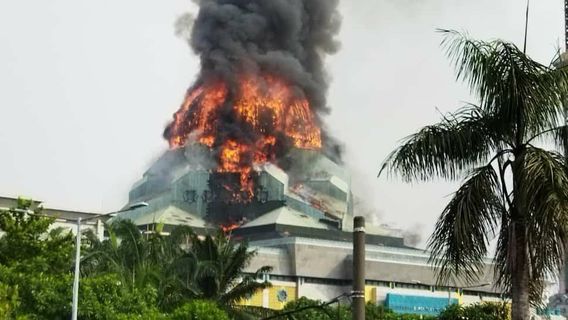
(312, 199)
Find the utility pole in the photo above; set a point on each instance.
(75, 299)
(76, 278)
(566, 25)
(562, 63)
(358, 293)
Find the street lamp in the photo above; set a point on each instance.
(75, 303)
(75, 299)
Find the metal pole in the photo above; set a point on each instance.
(449, 296)
(526, 27)
(76, 279)
(358, 293)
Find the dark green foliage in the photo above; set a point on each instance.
(199, 310)
(144, 261)
(9, 300)
(104, 298)
(25, 245)
(128, 276)
(308, 309)
(513, 188)
(222, 262)
(313, 309)
(36, 262)
(373, 311)
(479, 311)
(181, 266)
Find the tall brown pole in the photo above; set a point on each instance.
(358, 293)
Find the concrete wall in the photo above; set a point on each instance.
(323, 292)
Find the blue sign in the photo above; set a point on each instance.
(417, 304)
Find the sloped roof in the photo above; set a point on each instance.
(285, 216)
(170, 214)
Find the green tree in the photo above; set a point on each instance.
(221, 275)
(181, 266)
(9, 301)
(104, 297)
(37, 261)
(309, 309)
(36, 275)
(199, 310)
(374, 311)
(478, 311)
(512, 187)
(143, 261)
(29, 244)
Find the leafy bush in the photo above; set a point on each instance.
(343, 312)
(105, 297)
(312, 311)
(9, 300)
(199, 310)
(478, 311)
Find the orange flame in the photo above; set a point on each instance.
(266, 105)
(229, 228)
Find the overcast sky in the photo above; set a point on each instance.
(86, 88)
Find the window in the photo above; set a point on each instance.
(190, 196)
(378, 283)
(282, 278)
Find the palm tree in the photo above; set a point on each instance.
(222, 263)
(146, 260)
(180, 266)
(512, 187)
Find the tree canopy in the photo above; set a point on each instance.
(130, 275)
(513, 186)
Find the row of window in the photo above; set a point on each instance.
(379, 283)
(191, 196)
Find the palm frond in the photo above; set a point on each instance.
(524, 94)
(460, 142)
(247, 286)
(545, 181)
(557, 135)
(459, 242)
(544, 190)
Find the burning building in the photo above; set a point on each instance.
(314, 193)
(248, 139)
(249, 152)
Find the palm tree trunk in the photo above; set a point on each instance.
(519, 253)
(520, 277)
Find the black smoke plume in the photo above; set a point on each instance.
(286, 37)
(289, 38)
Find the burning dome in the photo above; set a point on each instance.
(248, 138)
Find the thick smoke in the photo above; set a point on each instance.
(413, 235)
(286, 37)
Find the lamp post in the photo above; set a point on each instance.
(358, 293)
(75, 298)
(75, 303)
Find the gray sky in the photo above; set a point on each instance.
(86, 88)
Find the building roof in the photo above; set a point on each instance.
(170, 214)
(285, 216)
(12, 202)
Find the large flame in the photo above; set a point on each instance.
(269, 113)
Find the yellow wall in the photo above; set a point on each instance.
(255, 300)
(370, 294)
(273, 302)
